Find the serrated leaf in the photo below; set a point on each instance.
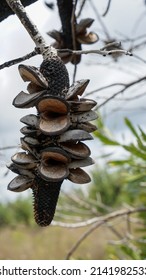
(104, 139)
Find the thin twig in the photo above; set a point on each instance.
(101, 221)
(126, 86)
(107, 8)
(81, 8)
(73, 27)
(98, 220)
(18, 60)
(113, 230)
(139, 58)
(82, 203)
(44, 49)
(8, 147)
(104, 87)
(100, 52)
(128, 225)
(100, 20)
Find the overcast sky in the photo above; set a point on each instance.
(15, 42)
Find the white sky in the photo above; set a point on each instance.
(15, 42)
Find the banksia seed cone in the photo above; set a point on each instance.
(52, 142)
(64, 39)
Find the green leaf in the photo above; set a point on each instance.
(131, 127)
(100, 123)
(119, 162)
(134, 178)
(135, 151)
(104, 139)
(141, 146)
(143, 135)
(133, 254)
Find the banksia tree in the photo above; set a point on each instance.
(52, 145)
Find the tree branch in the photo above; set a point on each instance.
(107, 8)
(8, 147)
(81, 8)
(38, 51)
(44, 49)
(100, 52)
(18, 60)
(100, 221)
(126, 86)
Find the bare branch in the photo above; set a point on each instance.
(103, 88)
(8, 147)
(37, 51)
(5, 10)
(100, 52)
(100, 20)
(81, 8)
(107, 8)
(114, 231)
(18, 60)
(100, 221)
(126, 86)
(139, 58)
(73, 20)
(82, 203)
(73, 27)
(39, 41)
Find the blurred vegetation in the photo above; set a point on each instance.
(120, 183)
(17, 212)
(128, 190)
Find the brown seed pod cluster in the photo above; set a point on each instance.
(52, 142)
(65, 39)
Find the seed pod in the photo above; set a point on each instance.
(30, 120)
(20, 183)
(28, 130)
(31, 73)
(20, 170)
(24, 160)
(74, 135)
(76, 150)
(54, 118)
(24, 100)
(53, 140)
(85, 126)
(79, 176)
(53, 167)
(81, 163)
(83, 105)
(67, 39)
(77, 89)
